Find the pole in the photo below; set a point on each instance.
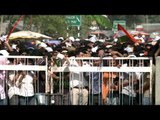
(67, 32)
(157, 81)
(1, 24)
(30, 23)
(78, 31)
(147, 22)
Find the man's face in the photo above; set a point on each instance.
(148, 47)
(100, 53)
(96, 62)
(91, 44)
(54, 55)
(110, 50)
(81, 54)
(139, 35)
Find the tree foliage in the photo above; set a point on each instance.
(54, 25)
(131, 20)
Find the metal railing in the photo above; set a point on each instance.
(79, 81)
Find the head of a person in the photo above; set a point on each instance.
(2, 46)
(96, 62)
(139, 35)
(30, 62)
(101, 52)
(148, 46)
(64, 52)
(110, 49)
(87, 51)
(80, 52)
(125, 53)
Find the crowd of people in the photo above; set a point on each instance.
(87, 88)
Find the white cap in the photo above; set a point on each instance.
(68, 44)
(61, 38)
(141, 54)
(43, 45)
(109, 46)
(101, 40)
(4, 52)
(71, 38)
(94, 49)
(14, 46)
(77, 39)
(49, 49)
(59, 55)
(37, 42)
(64, 51)
(115, 40)
(128, 49)
(93, 39)
(3, 38)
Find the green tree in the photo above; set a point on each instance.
(55, 26)
(152, 18)
(131, 20)
(102, 21)
(52, 25)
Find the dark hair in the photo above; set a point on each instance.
(14, 52)
(31, 61)
(100, 48)
(81, 49)
(95, 55)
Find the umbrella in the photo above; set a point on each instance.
(138, 32)
(27, 35)
(96, 32)
(56, 42)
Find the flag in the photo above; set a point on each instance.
(125, 33)
(15, 25)
(121, 36)
(119, 33)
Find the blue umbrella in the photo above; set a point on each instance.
(56, 42)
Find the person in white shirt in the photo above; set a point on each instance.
(3, 100)
(78, 83)
(26, 85)
(13, 91)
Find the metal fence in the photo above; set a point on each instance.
(32, 80)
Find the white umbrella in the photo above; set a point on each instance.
(27, 35)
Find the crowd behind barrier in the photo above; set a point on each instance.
(78, 72)
(77, 81)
